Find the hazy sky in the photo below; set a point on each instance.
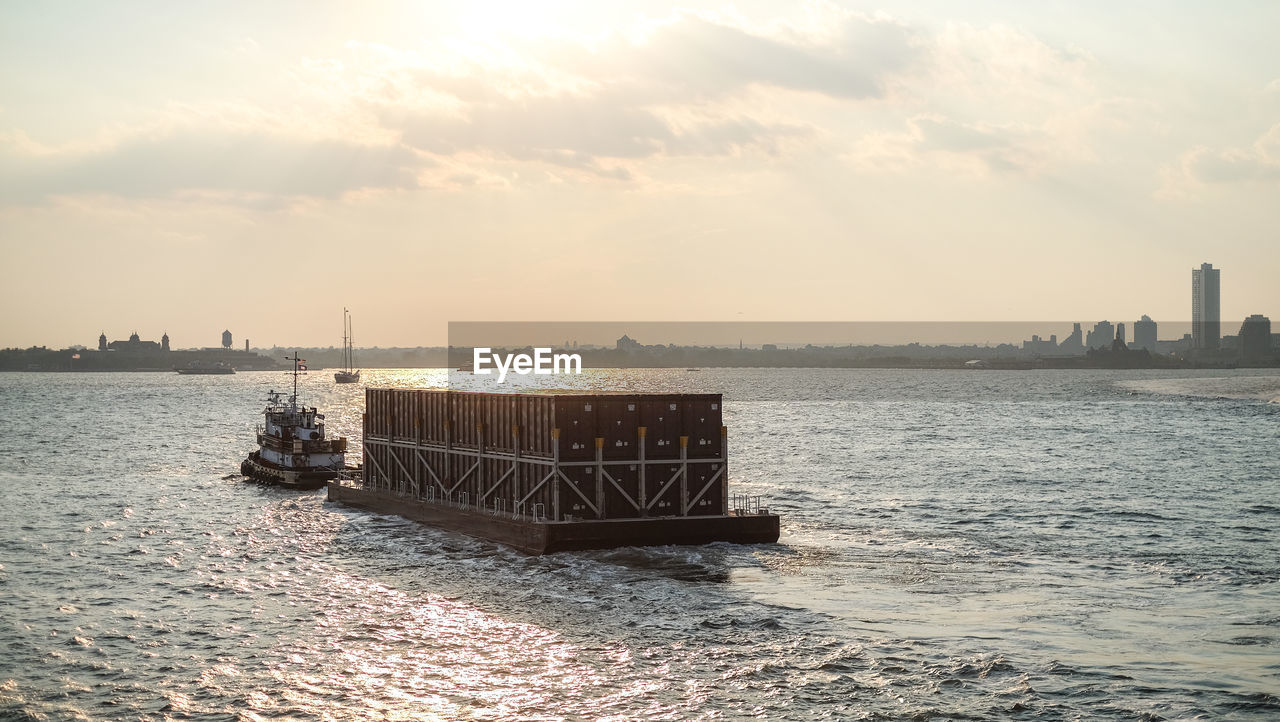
(257, 166)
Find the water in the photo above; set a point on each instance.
(1038, 545)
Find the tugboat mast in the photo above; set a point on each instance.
(297, 365)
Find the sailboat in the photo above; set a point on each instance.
(347, 375)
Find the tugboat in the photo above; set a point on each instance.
(292, 449)
(347, 375)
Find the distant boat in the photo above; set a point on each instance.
(347, 375)
(198, 368)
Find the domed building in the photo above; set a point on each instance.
(133, 345)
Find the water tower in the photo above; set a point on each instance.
(226, 339)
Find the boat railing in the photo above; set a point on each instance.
(747, 505)
(348, 477)
(498, 507)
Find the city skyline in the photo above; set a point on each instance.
(176, 167)
(1040, 336)
(1205, 313)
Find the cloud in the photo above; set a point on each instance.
(993, 99)
(976, 149)
(379, 117)
(209, 161)
(1231, 166)
(613, 107)
(666, 93)
(697, 56)
(1200, 167)
(539, 128)
(592, 133)
(946, 135)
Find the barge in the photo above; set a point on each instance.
(554, 472)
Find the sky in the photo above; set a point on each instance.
(190, 167)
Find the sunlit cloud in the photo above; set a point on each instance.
(504, 108)
(594, 108)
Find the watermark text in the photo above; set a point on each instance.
(542, 362)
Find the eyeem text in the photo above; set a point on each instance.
(484, 361)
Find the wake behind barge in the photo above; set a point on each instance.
(546, 473)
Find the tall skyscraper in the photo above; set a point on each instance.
(1206, 309)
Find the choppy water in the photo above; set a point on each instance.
(988, 545)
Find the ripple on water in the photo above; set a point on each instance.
(1015, 545)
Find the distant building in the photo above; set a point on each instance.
(1120, 332)
(1073, 344)
(1038, 345)
(226, 339)
(1206, 308)
(1101, 336)
(164, 341)
(1144, 333)
(1178, 346)
(102, 341)
(626, 343)
(1255, 338)
(134, 345)
(769, 347)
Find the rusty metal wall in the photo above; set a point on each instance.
(657, 476)
(662, 416)
(575, 416)
(507, 423)
(701, 420)
(618, 506)
(618, 422)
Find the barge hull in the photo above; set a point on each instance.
(545, 537)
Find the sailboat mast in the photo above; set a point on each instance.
(346, 345)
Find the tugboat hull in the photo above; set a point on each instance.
(267, 473)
